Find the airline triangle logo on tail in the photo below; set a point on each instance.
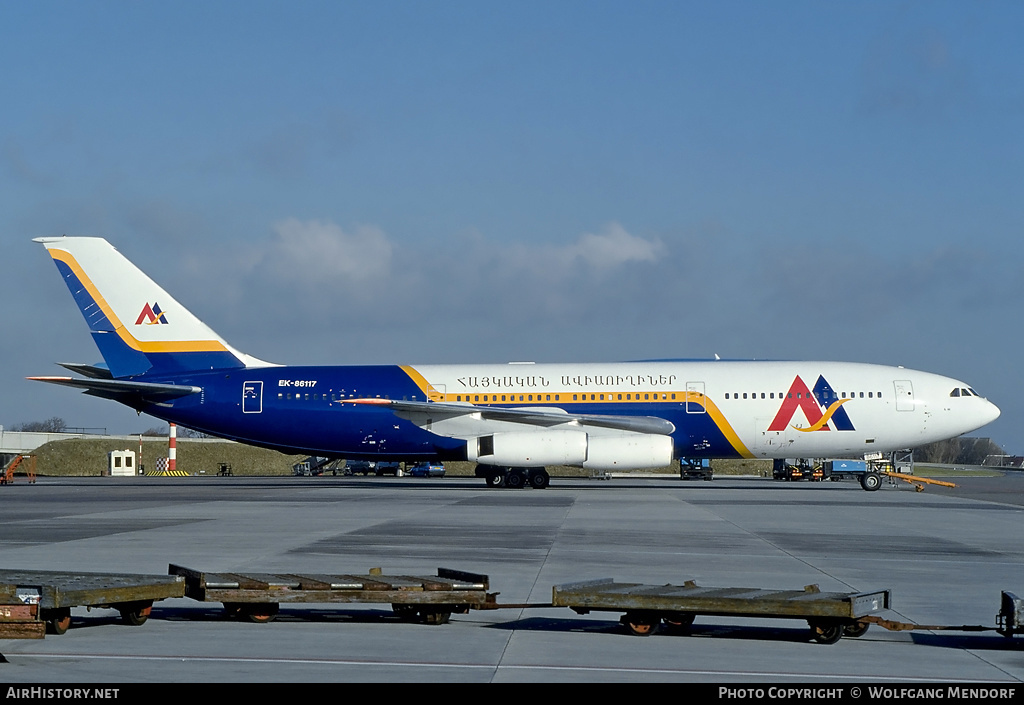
(820, 407)
(151, 315)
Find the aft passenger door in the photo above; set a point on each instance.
(252, 397)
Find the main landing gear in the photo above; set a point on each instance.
(514, 478)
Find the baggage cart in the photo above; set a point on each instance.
(830, 615)
(54, 593)
(258, 596)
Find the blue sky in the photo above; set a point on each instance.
(408, 181)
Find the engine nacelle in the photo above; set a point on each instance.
(629, 451)
(529, 450)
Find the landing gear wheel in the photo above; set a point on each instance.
(871, 481)
(539, 480)
(135, 615)
(640, 624)
(855, 629)
(495, 479)
(826, 632)
(516, 479)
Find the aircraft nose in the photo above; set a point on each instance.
(990, 412)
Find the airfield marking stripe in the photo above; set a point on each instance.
(131, 341)
(482, 666)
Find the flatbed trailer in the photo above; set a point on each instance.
(258, 596)
(830, 615)
(50, 595)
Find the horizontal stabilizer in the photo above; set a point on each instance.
(93, 371)
(532, 416)
(133, 394)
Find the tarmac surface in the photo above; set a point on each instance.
(946, 554)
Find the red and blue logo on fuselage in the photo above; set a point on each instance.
(822, 408)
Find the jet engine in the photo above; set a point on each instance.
(626, 451)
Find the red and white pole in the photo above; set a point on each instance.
(172, 443)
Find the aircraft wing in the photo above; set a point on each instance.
(530, 416)
(134, 394)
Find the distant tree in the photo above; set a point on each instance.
(975, 450)
(184, 432)
(51, 425)
(963, 451)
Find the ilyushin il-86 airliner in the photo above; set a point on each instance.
(512, 419)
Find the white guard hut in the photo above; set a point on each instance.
(121, 463)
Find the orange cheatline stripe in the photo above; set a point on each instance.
(716, 414)
(421, 382)
(824, 419)
(719, 418)
(159, 346)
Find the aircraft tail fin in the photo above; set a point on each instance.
(138, 327)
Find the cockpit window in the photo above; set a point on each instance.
(974, 392)
(955, 393)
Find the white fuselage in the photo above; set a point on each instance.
(733, 408)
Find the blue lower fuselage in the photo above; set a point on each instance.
(304, 410)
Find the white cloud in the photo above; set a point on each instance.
(315, 273)
(612, 248)
(609, 249)
(322, 252)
